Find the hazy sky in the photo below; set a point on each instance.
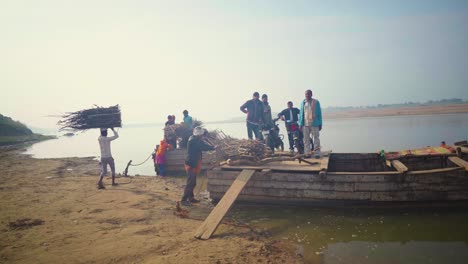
(156, 58)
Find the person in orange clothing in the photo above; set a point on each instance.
(195, 146)
(449, 148)
(161, 156)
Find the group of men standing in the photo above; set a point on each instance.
(308, 118)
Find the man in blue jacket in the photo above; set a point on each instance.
(310, 121)
(254, 110)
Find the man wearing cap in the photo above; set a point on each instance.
(195, 146)
(106, 156)
(254, 110)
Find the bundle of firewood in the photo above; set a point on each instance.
(232, 151)
(98, 117)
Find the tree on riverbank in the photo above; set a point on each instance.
(15, 132)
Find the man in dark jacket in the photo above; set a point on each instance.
(254, 110)
(195, 146)
(290, 116)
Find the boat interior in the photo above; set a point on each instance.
(374, 162)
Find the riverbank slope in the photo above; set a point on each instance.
(51, 212)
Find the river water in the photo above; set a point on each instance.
(347, 234)
(339, 135)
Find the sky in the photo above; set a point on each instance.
(155, 58)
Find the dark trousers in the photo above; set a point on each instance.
(191, 181)
(255, 129)
(156, 168)
(162, 169)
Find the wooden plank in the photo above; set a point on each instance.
(399, 166)
(213, 220)
(297, 168)
(388, 163)
(459, 162)
(464, 150)
(322, 185)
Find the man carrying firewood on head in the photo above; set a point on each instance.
(106, 156)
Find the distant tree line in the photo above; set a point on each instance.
(406, 104)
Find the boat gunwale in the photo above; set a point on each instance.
(344, 172)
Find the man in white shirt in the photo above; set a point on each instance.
(106, 156)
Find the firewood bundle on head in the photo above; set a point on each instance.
(98, 117)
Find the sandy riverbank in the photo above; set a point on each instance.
(394, 111)
(73, 222)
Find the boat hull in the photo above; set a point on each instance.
(292, 184)
(175, 161)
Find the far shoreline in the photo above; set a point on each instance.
(380, 112)
(400, 111)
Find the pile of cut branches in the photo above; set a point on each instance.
(98, 117)
(232, 151)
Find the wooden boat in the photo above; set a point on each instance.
(175, 161)
(363, 177)
(462, 149)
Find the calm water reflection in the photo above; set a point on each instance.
(367, 234)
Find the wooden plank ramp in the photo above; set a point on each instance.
(459, 162)
(213, 220)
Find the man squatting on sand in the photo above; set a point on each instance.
(195, 146)
(106, 156)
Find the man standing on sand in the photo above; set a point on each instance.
(310, 121)
(106, 156)
(193, 162)
(254, 110)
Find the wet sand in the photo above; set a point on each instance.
(52, 212)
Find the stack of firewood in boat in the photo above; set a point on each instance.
(232, 151)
